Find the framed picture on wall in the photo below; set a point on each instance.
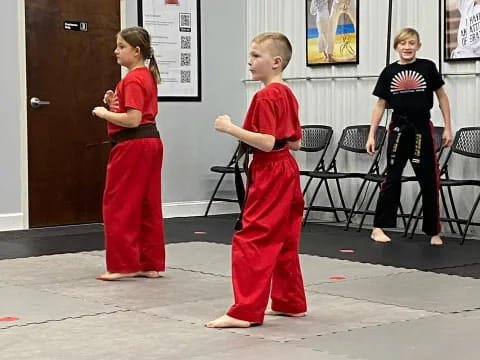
(461, 30)
(174, 27)
(331, 32)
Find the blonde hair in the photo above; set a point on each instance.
(138, 36)
(405, 34)
(279, 45)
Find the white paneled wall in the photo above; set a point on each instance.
(342, 102)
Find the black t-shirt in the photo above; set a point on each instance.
(408, 88)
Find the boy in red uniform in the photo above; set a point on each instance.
(265, 260)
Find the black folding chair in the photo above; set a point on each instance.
(223, 170)
(352, 140)
(466, 145)
(315, 139)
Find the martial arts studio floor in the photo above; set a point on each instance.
(398, 301)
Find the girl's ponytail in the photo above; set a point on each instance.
(153, 67)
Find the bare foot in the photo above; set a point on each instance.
(379, 236)
(279, 313)
(330, 58)
(436, 240)
(111, 276)
(152, 274)
(226, 321)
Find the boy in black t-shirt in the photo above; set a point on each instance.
(407, 86)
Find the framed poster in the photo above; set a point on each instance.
(174, 26)
(461, 30)
(331, 32)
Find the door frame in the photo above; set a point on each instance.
(22, 77)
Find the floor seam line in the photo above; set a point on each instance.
(66, 318)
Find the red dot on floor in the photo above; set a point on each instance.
(347, 251)
(200, 232)
(336, 277)
(9, 318)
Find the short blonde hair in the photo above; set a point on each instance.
(405, 34)
(279, 45)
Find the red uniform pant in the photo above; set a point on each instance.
(265, 258)
(132, 207)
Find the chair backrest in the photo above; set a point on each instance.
(233, 159)
(315, 137)
(437, 138)
(467, 142)
(354, 138)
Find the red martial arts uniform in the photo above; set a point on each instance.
(265, 251)
(132, 206)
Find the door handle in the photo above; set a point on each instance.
(36, 102)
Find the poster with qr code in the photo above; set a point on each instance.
(174, 28)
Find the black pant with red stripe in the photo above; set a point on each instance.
(415, 143)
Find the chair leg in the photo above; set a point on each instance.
(412, 215)
(402, 213)
(370, 199)
(342, 201)
(332, 204)
(213, 195)
(417, 219)
(311, 202)
(352, 210)
(472, 212)
(454, 209)
(307, 185)
(447, 212)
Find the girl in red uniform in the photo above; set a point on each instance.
(132, 208)
(265, 260)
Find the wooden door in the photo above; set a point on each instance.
(70, 64)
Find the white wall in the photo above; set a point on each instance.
(10, 125)
(191, 144)
(342, 102)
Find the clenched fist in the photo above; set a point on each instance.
(223, 123)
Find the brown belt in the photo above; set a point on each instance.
(140, 132)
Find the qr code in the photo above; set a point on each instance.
(185, 59)
(186, 42)
(185, 20)
(185, 76)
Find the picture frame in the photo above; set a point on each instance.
(461, 30)
(174, 27)
(324, 17)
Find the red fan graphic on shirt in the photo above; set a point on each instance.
(408, 80)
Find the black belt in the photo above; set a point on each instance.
(403, 122)
(243, 151)
(140, 132)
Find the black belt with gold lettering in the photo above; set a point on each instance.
(403, 122)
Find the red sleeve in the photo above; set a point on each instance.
(134, 94)
(261, 117)
(298, 132)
